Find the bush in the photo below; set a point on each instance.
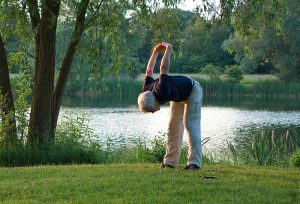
(214, 72)
(295, 159)
(73, 145)
(233, 74)
(52, 154)
(158, 149)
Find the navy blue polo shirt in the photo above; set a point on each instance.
(169, 88)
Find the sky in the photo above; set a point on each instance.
(191, 4)
(188, 5)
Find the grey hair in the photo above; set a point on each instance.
(146, 101)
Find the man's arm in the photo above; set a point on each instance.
(165, 62)
(151, 63)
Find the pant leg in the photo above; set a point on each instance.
(174, 134)
(192, 119)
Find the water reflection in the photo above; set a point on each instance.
(240, 125)
(252, 103)
(249, 103)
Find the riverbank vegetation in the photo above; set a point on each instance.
(76, 144)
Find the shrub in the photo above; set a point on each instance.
(214, 72)
(295, 159)
(73, 145)
(233, 74)
(158, 148)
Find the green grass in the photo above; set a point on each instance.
(146, 183)
(254, 78)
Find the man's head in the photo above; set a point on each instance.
(147, 102)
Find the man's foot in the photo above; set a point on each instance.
(191, 167)
(166, 166)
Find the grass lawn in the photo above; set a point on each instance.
(146, 183)
(254, 78)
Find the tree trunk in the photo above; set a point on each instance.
(7, 108)
(67, 62)
(35, 21)
(41, 107)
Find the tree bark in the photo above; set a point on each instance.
(35, 22)
(7, 108)
(41, 107)
(67, 62)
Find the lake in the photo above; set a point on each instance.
(119, 122)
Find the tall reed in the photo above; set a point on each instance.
(126, 86)
(266, 149)
(110, 86)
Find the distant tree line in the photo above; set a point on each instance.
(254, 36)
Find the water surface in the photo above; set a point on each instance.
(124, 125)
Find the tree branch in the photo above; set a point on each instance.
(211, 7)
(22, 50)
(66, 65)
(34, 13)
(96, 10)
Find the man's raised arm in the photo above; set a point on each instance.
(165, 62)
(151, 63)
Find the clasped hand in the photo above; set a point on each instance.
(162, 46)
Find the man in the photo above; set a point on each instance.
(185, 96)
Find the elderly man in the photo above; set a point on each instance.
(185, 96)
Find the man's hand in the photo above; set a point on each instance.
(169, 46)
(165, 63)
(151, 63)
(159, 47)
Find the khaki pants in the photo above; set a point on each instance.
(186, 114)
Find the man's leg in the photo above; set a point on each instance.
(192, 118)
(175, 134)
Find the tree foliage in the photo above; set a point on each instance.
(269, 31)
(204, 39)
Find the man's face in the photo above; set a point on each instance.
(156, 106)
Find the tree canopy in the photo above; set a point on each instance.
(34, 25)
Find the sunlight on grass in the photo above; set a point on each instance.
(253, 78)
(146, 183)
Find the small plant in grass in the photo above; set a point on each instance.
(73, 129)
(158, 148)
(233, 150)
(74, 133)
(295, 159)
